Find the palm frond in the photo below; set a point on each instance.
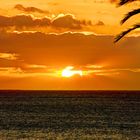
(118, 37)
(130, 14)
(122, 2)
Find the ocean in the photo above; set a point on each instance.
(69, 115)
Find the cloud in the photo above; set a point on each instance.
(67, 21)
(20, 21)
(30, 9)
(71, 49)
(10, 71)
(93, 66)
(35, 66)
(30, 70)
(8, 56)
(15, 78)
(44, 56)
(100, 23)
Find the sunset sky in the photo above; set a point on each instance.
(67, 45)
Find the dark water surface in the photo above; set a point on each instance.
(70, 115)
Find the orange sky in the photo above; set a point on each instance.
(41, 38)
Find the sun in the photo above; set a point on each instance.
(69, 72)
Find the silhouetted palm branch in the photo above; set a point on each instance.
(118, 37)
(130, 14)
(122, 2)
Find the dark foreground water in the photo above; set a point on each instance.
(69, 115)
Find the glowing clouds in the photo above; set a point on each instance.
(9, 56)
(30, 9)
(69, 72)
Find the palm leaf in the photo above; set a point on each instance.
(122, 2)
(130, 14)
(118, 37)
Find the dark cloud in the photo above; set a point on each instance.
(23, 21)
(61, 50)
(100, 23)
(68, 21)
(30, 9)
(65, 21)
(71, 48)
